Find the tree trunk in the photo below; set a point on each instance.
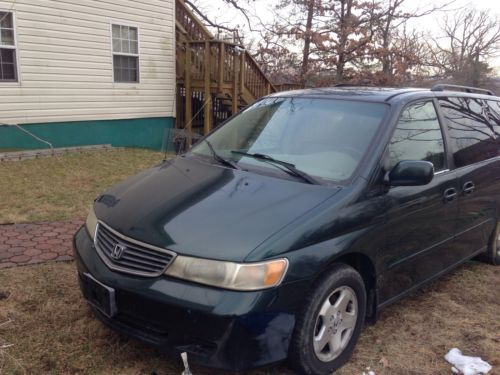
(307, 43)
(386, 61)
(476, 70)
(339, 75)
(345, 13)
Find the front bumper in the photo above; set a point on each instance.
(219, 328)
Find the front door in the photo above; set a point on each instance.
(420, 219)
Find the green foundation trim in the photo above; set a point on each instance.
(145, 132)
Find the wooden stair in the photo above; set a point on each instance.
(215, 78)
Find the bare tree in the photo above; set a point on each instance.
(321, 42)
(345, 40)
(471, 37)
(288, 42)
(398, 49)
(241, 6)
(329, 35)
(354, 28)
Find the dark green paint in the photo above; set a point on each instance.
(397, 237)
(144, 132)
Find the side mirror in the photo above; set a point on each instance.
(410, 173)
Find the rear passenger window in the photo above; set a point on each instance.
(494, 115)
(472, 135)
(418, 136)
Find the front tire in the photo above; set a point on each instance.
(329, 324)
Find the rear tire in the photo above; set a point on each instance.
(330, 322)
(492, 256)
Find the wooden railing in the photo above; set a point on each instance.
(190, 24)
(222, 72)
(227, 63)
(255, 80)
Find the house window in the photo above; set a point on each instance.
(8, 68)
(125, 53)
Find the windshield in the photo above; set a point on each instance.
(324, 138)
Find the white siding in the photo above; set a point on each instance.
(66, 65)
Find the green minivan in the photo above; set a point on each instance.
(281, 233)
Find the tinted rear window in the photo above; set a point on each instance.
(494, 115)
(472, 135)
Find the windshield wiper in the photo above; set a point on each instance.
(289, 167)
(219, 158)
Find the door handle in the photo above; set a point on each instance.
(449, 195)
(468, 188)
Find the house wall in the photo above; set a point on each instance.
(65, 70)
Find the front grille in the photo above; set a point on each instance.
(127, 255)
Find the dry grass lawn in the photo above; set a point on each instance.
(63, 187)
(53, 331)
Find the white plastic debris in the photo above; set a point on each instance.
(467, 365)
(370, 372)
(186, 371)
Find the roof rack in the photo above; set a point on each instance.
(443, 87)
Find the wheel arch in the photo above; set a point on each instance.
(366, 268)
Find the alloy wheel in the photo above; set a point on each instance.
(335, 323)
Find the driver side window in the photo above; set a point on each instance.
(418, 136)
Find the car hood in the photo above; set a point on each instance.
(198, 209)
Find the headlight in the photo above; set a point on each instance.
(229, 275)
(91, 222)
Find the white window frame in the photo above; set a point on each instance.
(137, 55)
(14, 47)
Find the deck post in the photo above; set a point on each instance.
(242, 71)
(188, 118)
(207, 114)
(234, 94)
(222, 65)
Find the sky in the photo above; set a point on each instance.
(220, 12)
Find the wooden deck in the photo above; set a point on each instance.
(215, 78)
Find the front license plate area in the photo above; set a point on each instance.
(100, 296)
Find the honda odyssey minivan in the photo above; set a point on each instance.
(278, 235)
